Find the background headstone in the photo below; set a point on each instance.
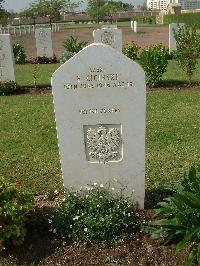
(7, 72)
(44, 42)
(99, 101)
(132, 27)
(109, 35)
(135, 26)
(172, 41)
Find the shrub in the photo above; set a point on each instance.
(65, 56)
(131, 51)
(43, 60)
(96, 214)
(14, 204)
(187, 49)
(145, 20)
(7, 88)
(19, 53)
(154, 61)
(187, 18)
(181, 217)
(72, 46)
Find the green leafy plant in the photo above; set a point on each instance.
(73, 45)
(65, 56)
(19, 53)
(187, 49)
(131, 50)
(96, 214)
(154, 61)
(14, 205)
(180, 214)
(7, 88)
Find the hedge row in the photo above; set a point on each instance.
(145, 20)
(187, 18)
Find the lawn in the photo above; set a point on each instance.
(29, 146)
(24, 74)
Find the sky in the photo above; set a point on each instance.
(18, 5)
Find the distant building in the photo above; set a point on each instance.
(162, 4)
(189, 4)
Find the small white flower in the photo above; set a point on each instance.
(76, 218)
(129, 214)
(64, 243)
(54, 231)
(112, 188)
(86, 196)
(63, 199)
(74, 195)
(100, 197)
(101, 185)
(85, 229)
(124, 213)
(98, 206)
(95, 184)
(50, 221)
(70, 226)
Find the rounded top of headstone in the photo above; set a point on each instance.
(101, 54)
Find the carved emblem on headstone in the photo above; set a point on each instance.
(108, 37)
(42, 34)
(103, 143)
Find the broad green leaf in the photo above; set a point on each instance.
(181, 245)
(192, 232)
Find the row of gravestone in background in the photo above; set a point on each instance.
(102, 139)
(109, 35)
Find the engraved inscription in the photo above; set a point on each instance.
(42, 38)
(99, 111)
(103, 143)
(98, 78)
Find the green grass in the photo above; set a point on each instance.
(28, 142)
(24, 74)
(175, 73)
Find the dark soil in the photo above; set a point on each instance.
(42, 247)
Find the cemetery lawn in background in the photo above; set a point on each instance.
(24, 74)
(29, 145)
(174, 75)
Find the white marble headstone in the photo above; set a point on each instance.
(109, 35)
(7, 72)
(44, 42)
(172, 41)
(99, 101)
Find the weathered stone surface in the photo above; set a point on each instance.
(109, 35)
(172, 41)
(99, 100)
(7, 72)
(44, 42)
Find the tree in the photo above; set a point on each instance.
(48, 8)
(99, 9)
(96, 9)
(187, 49)
(120, 6)
(3, 13)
